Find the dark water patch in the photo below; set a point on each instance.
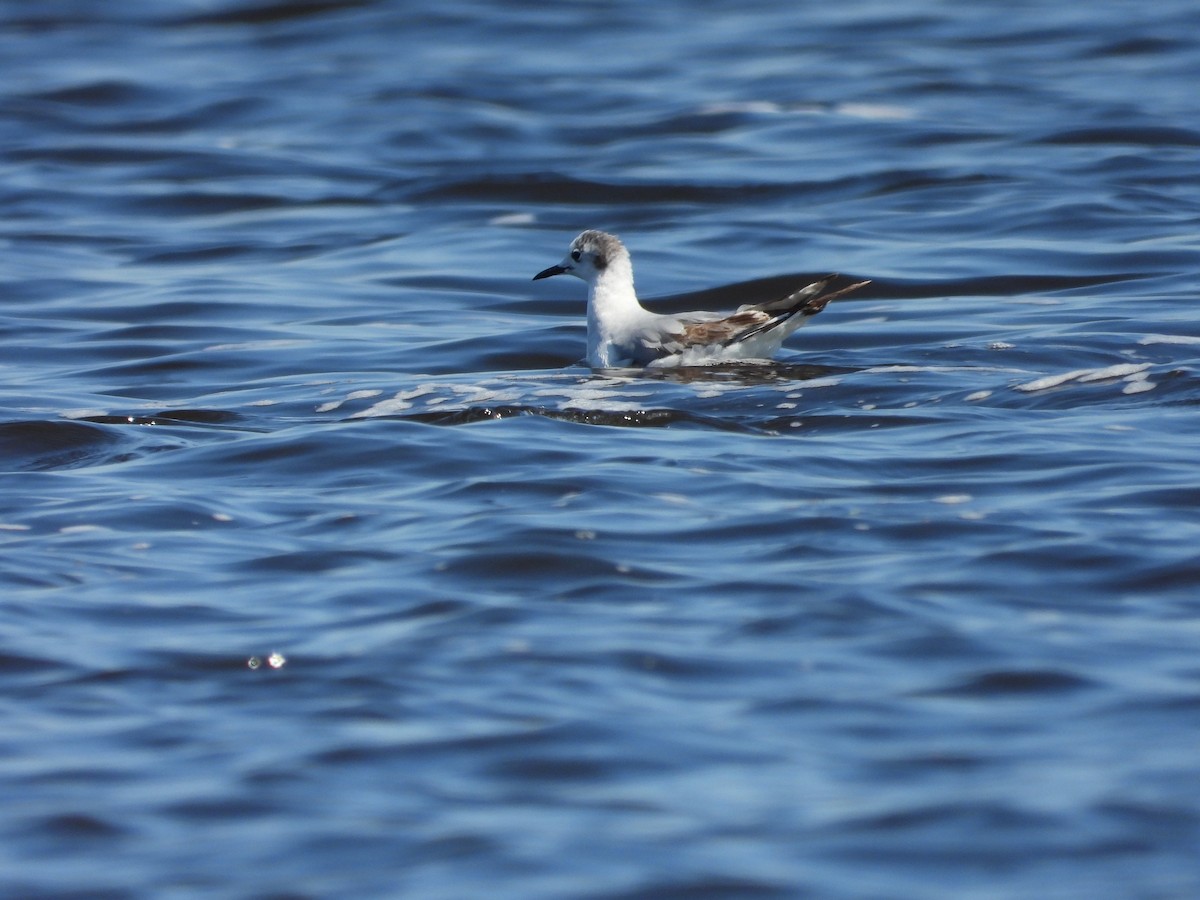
(214, 810)
(1014, 828)
(908, 182)
(206, 301)
(962, 134)
(569, 191)
(162, 374)
(43, 446)
(226, 252)
(520, 737)
(633, 418)
(313, 562)
(529, 349)
(842, 615)
(159, 330)
(192, 666)
(345, 453)
(250, 14)
(551, 769)
(1160, 578)
(561, 569)
(192, 203)
(937, 643)
(31, 575)
(1142, 136)
(91, 155)
(1015, 683)
(77, 826)
(39, 890)
(172, 119)
(171, 417)
(200, 416)
(685, 669)
(1139, 46)
(702, 886)
(935, 764)
(15, 665)
(552, 187)
(99, 93)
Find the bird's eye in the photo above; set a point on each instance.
(575, 254)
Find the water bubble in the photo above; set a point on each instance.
(275, 660)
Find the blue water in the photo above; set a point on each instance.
(912, 613)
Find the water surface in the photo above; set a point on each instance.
(911, 612)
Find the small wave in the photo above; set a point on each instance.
(626, 418)
(1133, 372)
(617, 397)
(1169, 339)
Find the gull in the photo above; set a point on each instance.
(621, 332)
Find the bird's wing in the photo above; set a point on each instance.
(725, 331)
(755, 319)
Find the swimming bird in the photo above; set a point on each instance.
(621, 332)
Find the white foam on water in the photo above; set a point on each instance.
(1106, 373)
(1117, 371)
(1169, 339)
(353, 395)
(797, 386)
(874, 112)
(513, 219)
(82, 413)
(259, 345)
(396, 404)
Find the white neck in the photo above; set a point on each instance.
(612, 293)
(613, 312)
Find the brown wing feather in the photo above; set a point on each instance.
(752, 320)
(721, 331)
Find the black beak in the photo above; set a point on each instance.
(553, 270)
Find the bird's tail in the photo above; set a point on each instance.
(812, 303)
